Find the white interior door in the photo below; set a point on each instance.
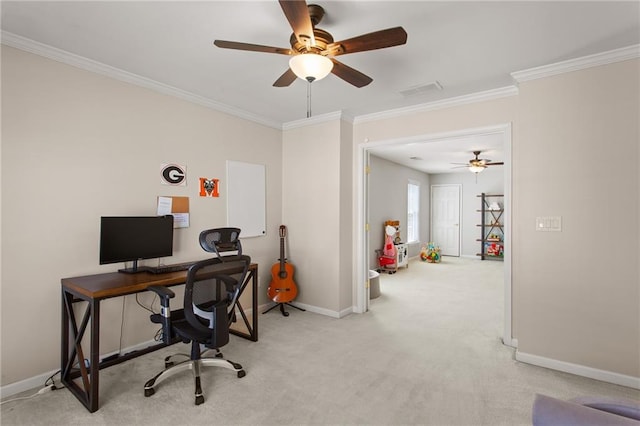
(445, 218)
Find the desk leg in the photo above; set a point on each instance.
(254, 307)
(94, 366)
(67, 300)
(73, 354)
(253, 328)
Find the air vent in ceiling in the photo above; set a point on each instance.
(418, 90)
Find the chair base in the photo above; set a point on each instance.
(194, 366)
(168, 361)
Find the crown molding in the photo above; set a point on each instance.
(486, 95)
(604, 58)
(59, 55)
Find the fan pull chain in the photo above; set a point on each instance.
(309, 99)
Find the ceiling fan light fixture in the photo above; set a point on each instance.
(476, 169)
(310, 66)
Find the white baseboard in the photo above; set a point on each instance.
(579, 370)
(38, 381)
(25, 385)
(348, 311)
(510, 342)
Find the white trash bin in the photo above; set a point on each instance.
(374, 284)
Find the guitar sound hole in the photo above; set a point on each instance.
(283, 274)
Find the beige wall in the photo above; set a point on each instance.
(311, 209)
(575, 155)
(475, 115)
(77, 145)
(388, 201)
(347, 195)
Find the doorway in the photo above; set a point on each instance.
(361, 263)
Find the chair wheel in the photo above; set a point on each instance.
(149, 391)
(241, 374)
(199, 399)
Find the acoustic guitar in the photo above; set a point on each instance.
(282, 289)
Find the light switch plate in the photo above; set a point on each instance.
(549, 223)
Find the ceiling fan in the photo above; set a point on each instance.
(313, 50)
(477, 165)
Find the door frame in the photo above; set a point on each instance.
(361, 265)
(459, 187)
(367, 241)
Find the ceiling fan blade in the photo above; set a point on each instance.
(376, 40)
(252, 47)
(494, 164)
(297, 14)
(349, 74)
(285, 79)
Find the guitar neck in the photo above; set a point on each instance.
(282, 258)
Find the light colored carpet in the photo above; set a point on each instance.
(429, 352)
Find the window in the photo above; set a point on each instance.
(413, 212)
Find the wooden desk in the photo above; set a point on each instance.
(82, 379)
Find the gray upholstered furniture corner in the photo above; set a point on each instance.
(585, 411)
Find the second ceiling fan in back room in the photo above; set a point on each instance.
(477, 165)
(313, 50)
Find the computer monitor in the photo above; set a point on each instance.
(131, 238)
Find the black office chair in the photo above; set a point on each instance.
(221, 241)
(209, 303)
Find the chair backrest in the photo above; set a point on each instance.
(211, 291)
(221, 240)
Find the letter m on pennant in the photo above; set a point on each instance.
(209, 187)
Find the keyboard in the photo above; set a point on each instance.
(165, 269)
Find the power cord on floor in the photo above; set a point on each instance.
(49, 385)
(52, 383)
(40, 392)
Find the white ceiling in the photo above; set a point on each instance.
(445, 155)
(467, 47)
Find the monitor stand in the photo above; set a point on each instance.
(134, 269)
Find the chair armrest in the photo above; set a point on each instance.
(221, 329)
(162, 291)
(165, 312)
